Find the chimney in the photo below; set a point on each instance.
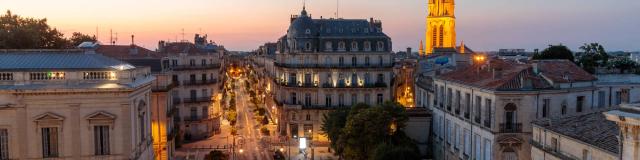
(535, 68)
(132, 42)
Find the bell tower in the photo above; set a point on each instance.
(441, 25)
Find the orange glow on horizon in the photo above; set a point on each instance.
(237, 24)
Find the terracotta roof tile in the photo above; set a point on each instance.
(556, 70)
(500, 74)
(127, 52)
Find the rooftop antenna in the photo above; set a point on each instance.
(182, 35)
(337, 9)
(111, 37)
(115, 39)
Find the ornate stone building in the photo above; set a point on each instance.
(611, 134)
(163, 111)
(323, 64)
(441, 25)
(195, 67)
(68, 104)
(485, 111)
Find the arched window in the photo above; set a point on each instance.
(510, 118)
(441, 36)
(380, 46)
(328, 46)
(434, 36)
(367, 46)
(341, 46)
(354, 46)
(307, 46)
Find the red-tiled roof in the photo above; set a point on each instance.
(127, 52)
(509, 75)
(556, 70)
(181, 47)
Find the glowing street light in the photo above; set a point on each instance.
(241, 150)
(479, 58)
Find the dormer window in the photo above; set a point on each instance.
(341, 30)
(380, 46)
(328, 30)
(341, 46)
(354, 46)
(328, 46)
(353, 30)
(367, 46)
(308, 31)
(366, 30)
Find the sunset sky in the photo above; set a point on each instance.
(484, 25)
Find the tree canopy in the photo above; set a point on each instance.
(623, 64)
(555, 52)
(365, 132)
(593, 56)
(216, 155)
(18, 32)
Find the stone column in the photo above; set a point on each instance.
(628, 120)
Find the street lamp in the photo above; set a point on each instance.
(479, 58)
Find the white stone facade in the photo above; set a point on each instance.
(76, 113)
(198, 76)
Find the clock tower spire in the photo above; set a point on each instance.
(441, 25)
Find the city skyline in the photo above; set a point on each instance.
(501, 24)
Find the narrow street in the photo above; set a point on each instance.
(250, 139)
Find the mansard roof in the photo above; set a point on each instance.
(57, 59)
(334, 28)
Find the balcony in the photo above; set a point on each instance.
(332, 66)
(197, 100)
(344, 85)
(297, 85)
(200, 82)
(510, 127)
(195, 67)
(163, 88)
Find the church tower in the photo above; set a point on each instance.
(441, 25)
